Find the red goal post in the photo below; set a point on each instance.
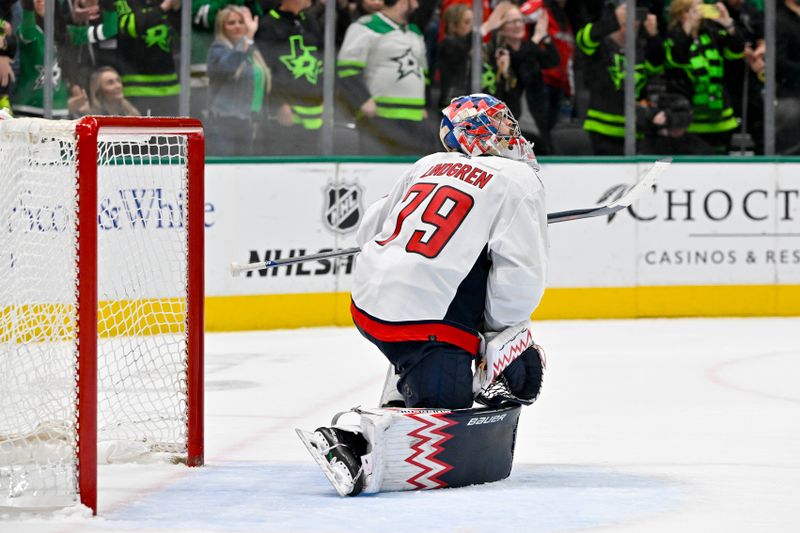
(101, 279)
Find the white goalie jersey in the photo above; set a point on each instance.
(458, 247)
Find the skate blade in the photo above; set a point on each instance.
(317, 451)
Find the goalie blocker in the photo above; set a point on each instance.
(400, 449)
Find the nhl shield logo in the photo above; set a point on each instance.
(342, 207)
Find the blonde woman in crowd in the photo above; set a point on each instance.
(453, 55)
(239, 84)
(105, 94)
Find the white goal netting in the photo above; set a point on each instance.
(142, 292)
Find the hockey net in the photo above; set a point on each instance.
(100, 301)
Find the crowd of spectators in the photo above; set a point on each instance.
(559, 64)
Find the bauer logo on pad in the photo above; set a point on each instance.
(342, 207)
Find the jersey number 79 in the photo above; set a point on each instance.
(445, 210)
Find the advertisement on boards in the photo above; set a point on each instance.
(703, 224)
(275, 211)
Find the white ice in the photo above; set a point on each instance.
(642, 426)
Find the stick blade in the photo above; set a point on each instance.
(646, 181)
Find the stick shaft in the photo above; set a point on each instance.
(304, 258)
(552, 218)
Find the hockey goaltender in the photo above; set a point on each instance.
(453, 262)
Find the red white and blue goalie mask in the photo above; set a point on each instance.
(480, 124)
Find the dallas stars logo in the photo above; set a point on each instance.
(407, 64)
(301, 62)
(39, 83)
(488, 79)
(159, 36)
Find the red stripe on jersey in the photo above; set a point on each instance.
(432, 331)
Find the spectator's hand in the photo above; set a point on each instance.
(540, 31)
(170, 5)
(755, 57)
(78, 102)
(82, 14)
(760, 50)
(748, 52)
(285, 115)
(496, 19)
(651, 25)
(250, 23)
(660, 119)
(759, 66)
(724, 17)
(7, 29)
(369, 108)
(6, 72)
(503, 61)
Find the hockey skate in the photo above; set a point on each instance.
(334, 452)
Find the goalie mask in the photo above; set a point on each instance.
(480, 124)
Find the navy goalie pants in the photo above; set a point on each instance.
(432, 374)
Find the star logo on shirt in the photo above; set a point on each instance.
(301, 62)
(488, 79)
(407, 64)
(39, 83)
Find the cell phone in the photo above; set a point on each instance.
(709, 11)
(641, 13)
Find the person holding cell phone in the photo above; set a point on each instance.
(601, 47)
(519, 60)
(701, 40)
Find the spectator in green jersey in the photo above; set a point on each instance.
(699, 45)
(147, 38)
(602, 46)
(29, 95)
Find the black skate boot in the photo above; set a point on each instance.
(338, 453)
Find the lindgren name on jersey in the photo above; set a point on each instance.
(472, 175)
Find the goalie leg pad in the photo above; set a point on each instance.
(414, 449)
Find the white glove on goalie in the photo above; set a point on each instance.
(498, 351)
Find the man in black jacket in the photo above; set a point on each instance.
(602, 46)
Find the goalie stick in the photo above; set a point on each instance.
(644, 183)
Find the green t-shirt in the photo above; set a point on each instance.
(29, 95)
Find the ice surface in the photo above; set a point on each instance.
(642, 426)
